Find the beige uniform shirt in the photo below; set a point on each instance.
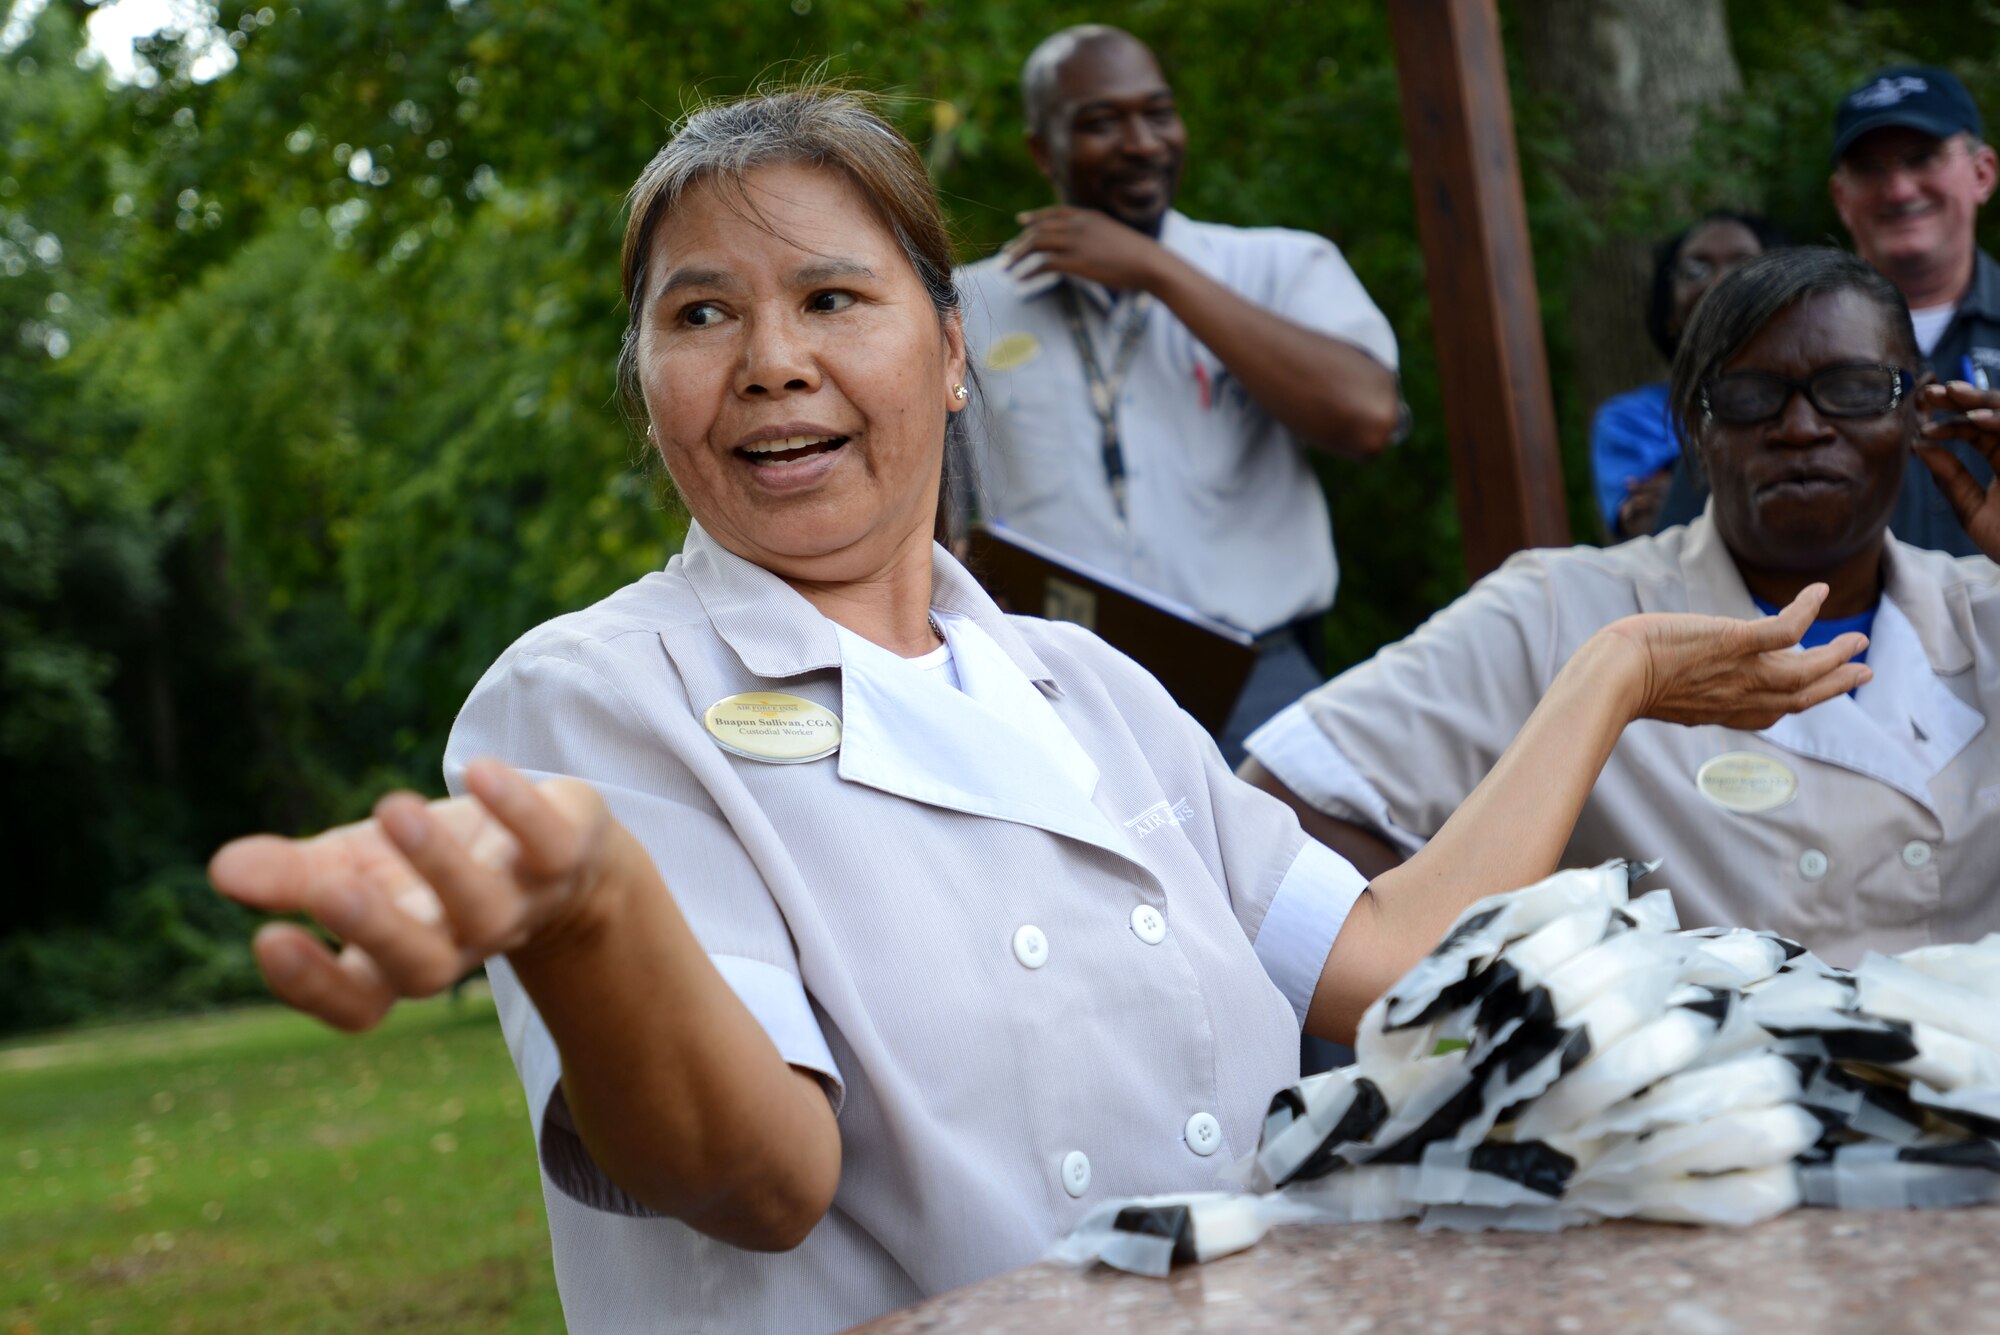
(1040, 945)
(1889, 839)
(1224, 513)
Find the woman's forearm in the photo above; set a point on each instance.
(674, 1086)
(1509, 832)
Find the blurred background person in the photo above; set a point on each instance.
(1910, 173)
(1865, 823)
(1633, 441)
(1151, 383)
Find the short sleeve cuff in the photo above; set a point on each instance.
(1294, 748)
(770, 993)
(1312, 903)
(778, 1000)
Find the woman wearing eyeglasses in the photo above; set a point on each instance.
(1871, 821)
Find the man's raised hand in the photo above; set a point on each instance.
(1083, 243)
(1974, 417)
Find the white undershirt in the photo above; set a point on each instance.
(1930, 322)
(939, 661)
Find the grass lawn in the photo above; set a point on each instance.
(251, 1171)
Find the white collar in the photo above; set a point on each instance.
(994, 748)
(1902, 728)
(776, 633)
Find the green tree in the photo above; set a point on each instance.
(306, 391)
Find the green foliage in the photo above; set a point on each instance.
(252, 1171)
(169, 944)
(306, 392)
(1769, 150)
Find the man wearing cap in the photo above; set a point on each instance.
(1910, 172)
(1150, 383)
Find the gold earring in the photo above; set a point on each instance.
(960, 392)
(649, 431)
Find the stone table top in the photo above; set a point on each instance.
(1810, 1272)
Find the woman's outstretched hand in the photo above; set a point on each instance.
(1740, 674)
(422, 892)
(1973, 416)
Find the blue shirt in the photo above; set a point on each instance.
(1827, 629)
(1632, 436)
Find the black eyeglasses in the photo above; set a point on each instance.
(1747, 397)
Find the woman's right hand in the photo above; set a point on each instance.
(1747, 675)
(423, 892)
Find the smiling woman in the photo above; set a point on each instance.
(749, 287)
(828, 909)
(798, 378)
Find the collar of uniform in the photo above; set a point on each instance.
(1926, 603)
(1914, 709)
(1900, 729)
(994, 748)
(1982, 299)
(1714, 585)
(767, 622)
(1915, 639)
(953, 589)
(777, 633)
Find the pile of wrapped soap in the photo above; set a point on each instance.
(1567, 1054)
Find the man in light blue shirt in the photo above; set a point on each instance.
(1150, 383)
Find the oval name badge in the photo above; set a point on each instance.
(770, 725)
(1010, 352)
(1746, 781)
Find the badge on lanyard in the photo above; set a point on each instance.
(1746, 781)
(772, 726)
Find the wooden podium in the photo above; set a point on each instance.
(1202, 662)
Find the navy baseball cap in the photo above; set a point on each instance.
(1918, 97)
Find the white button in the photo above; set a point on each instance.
(1204, 1134)
(1076, 1172)
(1916, 854)
(1148, 925)
(1031, 947)
(1812, 864)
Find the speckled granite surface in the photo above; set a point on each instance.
(1811, 1272)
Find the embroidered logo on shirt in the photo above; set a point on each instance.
(1159, 815)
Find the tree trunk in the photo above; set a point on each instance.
(1633, 77)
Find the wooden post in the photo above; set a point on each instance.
(1485, 315)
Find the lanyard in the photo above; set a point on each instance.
(1104, 388)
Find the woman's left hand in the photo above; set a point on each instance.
(1740, 674)
(1973, 416)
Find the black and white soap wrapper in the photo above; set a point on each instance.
(1567, 1054)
